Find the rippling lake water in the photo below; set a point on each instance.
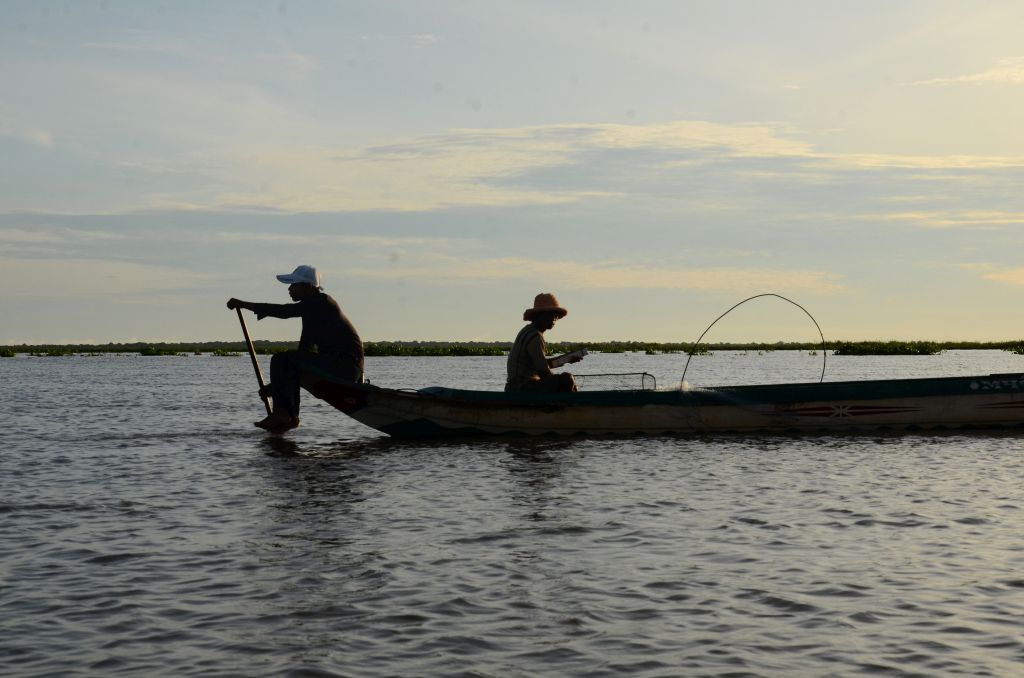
(147, 528)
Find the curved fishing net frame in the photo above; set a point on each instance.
(643, 377)
(824, 352)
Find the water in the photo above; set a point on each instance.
(146, 528)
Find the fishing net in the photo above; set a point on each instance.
(616, 381)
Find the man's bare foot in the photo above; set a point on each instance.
(278, 422)
(292, 422)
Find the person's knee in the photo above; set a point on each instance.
(283, 358)
(566, 382)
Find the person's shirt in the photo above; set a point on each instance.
(527, 360)
(324, 326)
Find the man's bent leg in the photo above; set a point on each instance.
(284, 389)
(563, 382)
(328, 367)
(286, 370)
(284, 382)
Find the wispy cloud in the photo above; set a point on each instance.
(135, 40)
(86, 277)
(956, 219)
(1006, 72)
(754, 140)
(301, 64)
(578, 275)
(321, 240)
(419, 39)
(924, 162)
(53, 235)
(574, 163)
(300, 164)
(31, 135)
(467, 166)
(1002, 274)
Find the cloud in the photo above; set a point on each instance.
(955, 219)
(744, 140)
(17, 236)
(302, 64)
(1006, 72)
(139, 40)
(739, 140)
(473, 166)
(69, 278)
(924, 162)
(319, 240)
(559, 164)
(416, 39)
(997, 273)
(1010, 276)
(209, 52)
(195, 122)
(577, 275)
(298, 167)
(30, 135)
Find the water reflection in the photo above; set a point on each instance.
(338, 449)
(537, 470)
(313, 542)
(280, 446)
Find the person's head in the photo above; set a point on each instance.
(302, 283)
(546, 320)
(545, 311)
(300, 291)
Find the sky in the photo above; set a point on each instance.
(650, 163)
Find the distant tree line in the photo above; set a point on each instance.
(483, 348)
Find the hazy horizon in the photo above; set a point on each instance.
(551, 342)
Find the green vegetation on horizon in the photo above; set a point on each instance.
(483, 348)
(889, 348)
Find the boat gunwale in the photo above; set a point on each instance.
(873, 389)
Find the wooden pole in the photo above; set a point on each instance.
(255, 363)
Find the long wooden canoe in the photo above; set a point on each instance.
(991, 402)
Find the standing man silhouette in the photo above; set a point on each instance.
(329, 342)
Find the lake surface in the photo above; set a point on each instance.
(147, 528)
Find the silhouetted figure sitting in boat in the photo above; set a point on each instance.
(529, 369)
(329, 343)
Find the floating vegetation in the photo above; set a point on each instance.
(887, 348)
(460, 350)
(500, 348)
(153, 351)
(222, 353)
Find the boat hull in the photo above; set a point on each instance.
(948, 403)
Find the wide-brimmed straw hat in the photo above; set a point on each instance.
(302, 274)
(545, 301)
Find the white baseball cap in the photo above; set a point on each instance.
(301, 274)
